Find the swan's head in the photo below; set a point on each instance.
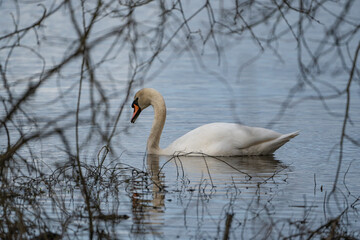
(142, 99)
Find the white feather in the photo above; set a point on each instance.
(228, 139)
(214, 139)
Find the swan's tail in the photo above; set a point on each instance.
(290, 135)
(271, 146)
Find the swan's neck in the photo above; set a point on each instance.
(158, 104)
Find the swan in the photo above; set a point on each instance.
(214, 139)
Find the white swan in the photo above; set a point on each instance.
(214, 139)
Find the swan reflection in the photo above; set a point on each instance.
(148, 200)
(244, 173)
(223, 169)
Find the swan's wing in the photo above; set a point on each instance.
(221, 139)
(250, 136)
(270, 146)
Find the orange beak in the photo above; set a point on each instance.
(137, 111)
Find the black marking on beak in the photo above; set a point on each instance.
(137, 110)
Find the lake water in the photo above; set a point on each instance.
(151, 197)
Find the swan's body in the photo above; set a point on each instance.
(214, 139)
